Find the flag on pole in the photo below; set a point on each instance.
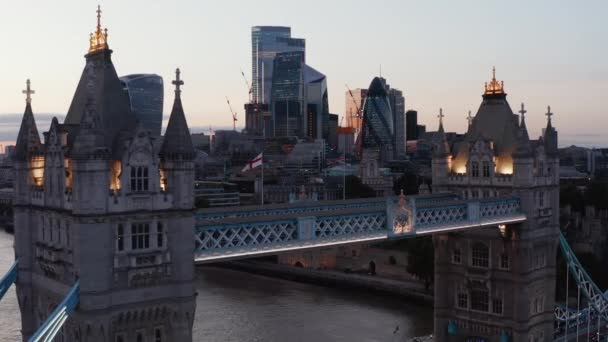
(255, 162)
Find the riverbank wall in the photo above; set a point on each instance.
(412, 291)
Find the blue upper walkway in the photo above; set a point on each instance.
(230, 233)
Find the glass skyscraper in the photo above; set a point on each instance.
(146, 99)
(266, 43)
(377, 128)
(288, 97)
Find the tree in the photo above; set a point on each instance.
(421, 260)
(356, 189)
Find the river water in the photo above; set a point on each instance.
(236, 306)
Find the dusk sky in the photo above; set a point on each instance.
(439, 53)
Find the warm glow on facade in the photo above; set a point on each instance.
(504, 165)
(38, 170)
(163, 180)
(67, 164)
(116, 170)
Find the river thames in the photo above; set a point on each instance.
(236, 306)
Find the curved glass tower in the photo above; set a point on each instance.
(377, 126)
(146, 98)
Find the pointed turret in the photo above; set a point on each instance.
(550, 135)
(111, 101)
(442, 148)
(522, 146)
(177, 142)
(28, 139)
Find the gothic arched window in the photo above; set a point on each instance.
(480, 255)
(486, 169)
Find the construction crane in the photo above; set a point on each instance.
(233, 113)
(358, 114)
(248, 86)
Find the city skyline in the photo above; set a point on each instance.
(433, 65)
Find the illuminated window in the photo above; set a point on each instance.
(480, 255)
(480, 300)
(486, 169)
(139, 178)
(475, 169)
(140, 236)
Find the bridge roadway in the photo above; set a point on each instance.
(231, 233)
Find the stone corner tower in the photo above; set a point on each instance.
(104, 202)
(498, 284)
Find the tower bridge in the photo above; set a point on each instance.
(107, 237)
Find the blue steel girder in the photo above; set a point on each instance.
(282, 229)
(49, 329)
(9, 278)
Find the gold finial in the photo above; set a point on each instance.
(28, 92)
(494, 87)
(99, 39)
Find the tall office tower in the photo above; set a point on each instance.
(411, 125)
(101, 203)
(288, 94)
(146, 95)
(266, 42)
(398, 106)
(354, 104)
(498, 284)
(377, 125)
(317, 104)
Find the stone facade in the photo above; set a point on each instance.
(104, 202)
(498, 283)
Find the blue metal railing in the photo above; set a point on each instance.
(9, 278)
(49, 329)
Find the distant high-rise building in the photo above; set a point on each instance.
(397, 102)
(377, 127)
(266, 43)
(146, 99)
(288, 94)
(411, 124)
(317, 104)
(354, 104)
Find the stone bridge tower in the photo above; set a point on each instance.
(104, 202)
(498, 284)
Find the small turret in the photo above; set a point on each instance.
(177, 154)
(28, 139)
(442, 157)
(550, 135)
(177, 142)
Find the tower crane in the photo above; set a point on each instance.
(249, 88)
(233, 113)
(358, 114)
